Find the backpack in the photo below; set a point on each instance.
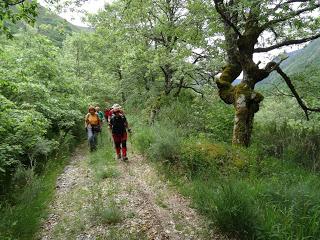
(118, 124)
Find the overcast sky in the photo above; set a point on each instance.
(91, 6)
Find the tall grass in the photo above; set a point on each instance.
(26, 202)
(21, 217)
(282, 141)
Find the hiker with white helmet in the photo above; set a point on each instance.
(119, 126)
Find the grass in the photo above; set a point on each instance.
(160, 200)
(108, 214)
(121, 234)
(104, 209)
(110, 172)
(95, 203)
(22, 220)
(102, 161)
(78, 225)
(22, 214)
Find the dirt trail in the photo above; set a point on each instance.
(149, 207)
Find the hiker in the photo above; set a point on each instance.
(100, 114)
(107, 114)
(118, 107)
(118, 125)
(92, 125)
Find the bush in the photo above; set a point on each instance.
(144, 138)
(159, 142)
(166, 146)
(204, 158)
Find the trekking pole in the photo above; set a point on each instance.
(101, 134)
(129, 138)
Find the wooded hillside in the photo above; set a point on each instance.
(247, 155)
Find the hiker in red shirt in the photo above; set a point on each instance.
(107, 114)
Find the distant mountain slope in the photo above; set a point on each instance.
(50, 25)
(54, 26)
(298, 62)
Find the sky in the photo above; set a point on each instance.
(74, 17)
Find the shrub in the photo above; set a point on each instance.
(143, 138)
(166, 145)
(202, 157)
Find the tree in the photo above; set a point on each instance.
(13, 11)
(156, 46)
(255, 27)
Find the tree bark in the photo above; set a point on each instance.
(243, 121)
(246, 104)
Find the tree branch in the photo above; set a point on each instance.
(287, 2)
(14, 3)
(289, 16)
(286, 43)
(193, 89)
(301, 103)
(218, 4)
(281, 92)
(198, 57)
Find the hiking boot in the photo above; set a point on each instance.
(125, 158)
(119, 156)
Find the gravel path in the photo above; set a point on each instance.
(147, 206)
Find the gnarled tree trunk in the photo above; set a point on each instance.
(246, 104)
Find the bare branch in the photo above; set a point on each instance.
(281, 92)
(271, 66)
(301, 103)
(199, 57)
(287, 43)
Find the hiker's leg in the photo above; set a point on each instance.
(90, 138)
(124, 148)
(124, 144)
(95, 139)
(117, 143)
(110, 134)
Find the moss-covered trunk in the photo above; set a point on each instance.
(246, 104)
(243, 121)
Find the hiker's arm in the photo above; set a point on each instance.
(86, 121)
(126, 124)
(110, 123)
